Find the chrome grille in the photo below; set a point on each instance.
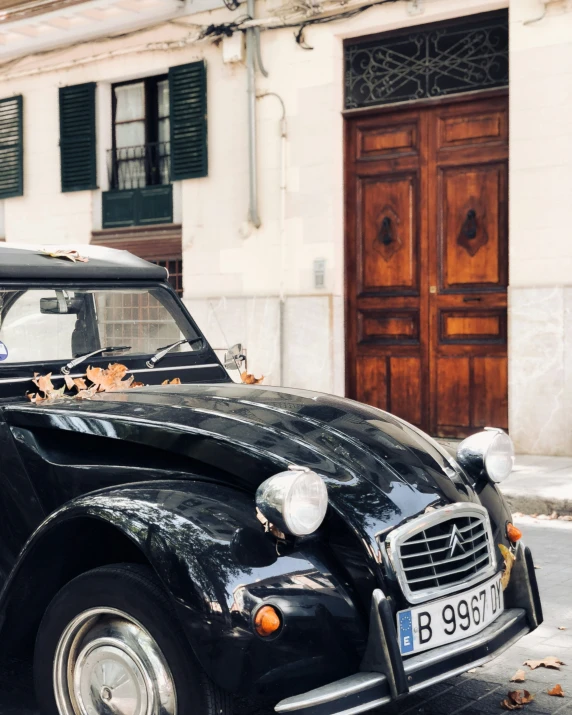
(443, 551)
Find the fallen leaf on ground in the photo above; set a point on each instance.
(509, 705)
(553, 516)
(521, 697)
(249, 379)
(70, 255)
(518, 677)
(562, 628)
(137, 384)
(509, 560)
(556, 690)
(549, 662)
(174, 381)
(566, 517)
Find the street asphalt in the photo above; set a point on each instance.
(473, 693)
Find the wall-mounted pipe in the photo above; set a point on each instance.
(282, 223)
(251, 93)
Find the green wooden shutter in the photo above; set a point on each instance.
(11, 148)
(77, 137)
(188, 101)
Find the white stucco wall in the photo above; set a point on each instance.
(540, 299)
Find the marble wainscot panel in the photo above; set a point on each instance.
(540, 369)
(298, 343)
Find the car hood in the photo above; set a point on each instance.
(379, 469)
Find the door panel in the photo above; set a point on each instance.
(388, 234)
(470, 201)
(427, 262)
(405, 384)
(371, 378)
(490, 388)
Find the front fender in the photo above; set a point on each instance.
(205, 544)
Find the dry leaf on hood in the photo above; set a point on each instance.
(103, 380)
(549, 662)
(174, 381)
(110, 379)
(43, 382)
(509, 560)
(69, 255)
(556, 690)
(249, 379)
(86, 394)
(45, 386)
(518, 677)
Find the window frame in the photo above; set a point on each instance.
(151, 118)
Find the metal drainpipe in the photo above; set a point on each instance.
(251, 91)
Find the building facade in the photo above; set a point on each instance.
(360, 193)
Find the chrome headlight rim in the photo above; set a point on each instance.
(283, 504)
(476, 454)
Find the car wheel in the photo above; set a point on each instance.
(110, 642)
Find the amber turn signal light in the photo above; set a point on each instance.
(513, 533)
(267, 621)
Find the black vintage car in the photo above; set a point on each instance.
(165, 548)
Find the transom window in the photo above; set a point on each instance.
(430, 61)
(141, 127)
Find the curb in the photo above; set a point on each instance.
(537, 503)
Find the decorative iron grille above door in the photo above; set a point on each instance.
(429, 61)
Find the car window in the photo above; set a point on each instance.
(39, 325)
(27, 336)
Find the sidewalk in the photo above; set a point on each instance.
(540, 485)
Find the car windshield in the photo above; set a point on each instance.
(43, 324)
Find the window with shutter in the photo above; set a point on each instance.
(77, 137)
(11, 148)
(188, 99)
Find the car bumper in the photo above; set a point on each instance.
(385, 676)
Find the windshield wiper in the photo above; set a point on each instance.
(160, 354)
(66, 369)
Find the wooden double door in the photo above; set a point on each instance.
(427, 262)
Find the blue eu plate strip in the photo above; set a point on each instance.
(405, 632)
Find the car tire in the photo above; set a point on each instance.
(111, 633)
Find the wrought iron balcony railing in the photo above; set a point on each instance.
(135, 167)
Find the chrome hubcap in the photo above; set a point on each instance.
(106, 663)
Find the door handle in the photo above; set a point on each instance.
(471, 299)
(470, 224)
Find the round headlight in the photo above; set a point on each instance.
(491, 450)
(295, 501)
(499, 459)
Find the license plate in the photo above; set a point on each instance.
(450, 619)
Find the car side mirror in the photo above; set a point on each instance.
(235, 357)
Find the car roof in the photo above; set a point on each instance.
(30, 262)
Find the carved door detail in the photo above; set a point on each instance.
(427, 263)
